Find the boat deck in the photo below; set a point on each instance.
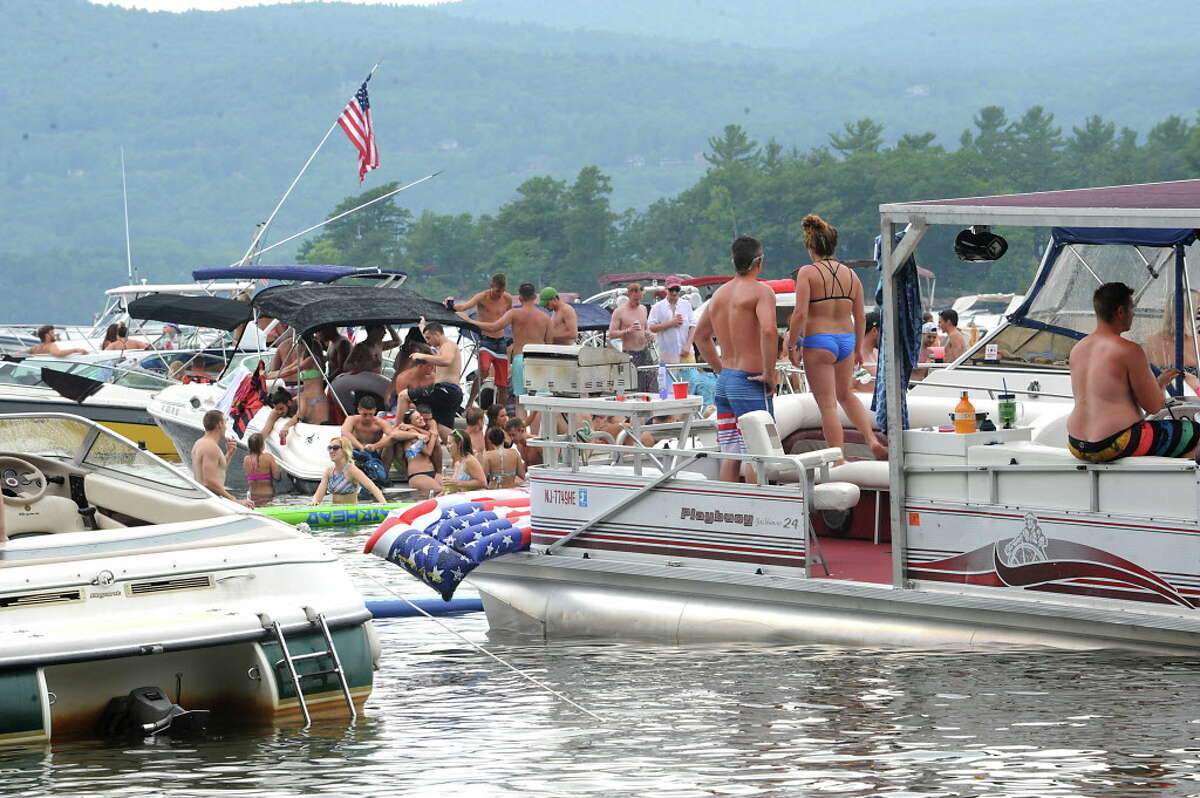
(856, 560)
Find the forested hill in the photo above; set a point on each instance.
(217, 110)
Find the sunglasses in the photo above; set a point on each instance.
(337, 447)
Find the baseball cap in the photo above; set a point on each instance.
(929, 327)
(547, 294)
(674, 282)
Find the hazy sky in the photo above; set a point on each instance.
(218, 5)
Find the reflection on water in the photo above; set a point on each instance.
(700, 721)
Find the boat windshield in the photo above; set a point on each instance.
(65, 438)
(60, 438)
(241, 365)
(29, 372)
(1061, 312)
(118, 458)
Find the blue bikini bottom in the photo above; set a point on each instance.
(840, 345)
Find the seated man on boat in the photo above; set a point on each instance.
(741, 315)
(1114, 388)
(518, 433)
(370, 434)
(48, 344)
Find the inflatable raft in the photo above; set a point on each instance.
(440, 541)
(333, 514)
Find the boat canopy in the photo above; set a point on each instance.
(1138, 234)
(1157, 263)
(306, 308)
(304, 272)
(214, 312)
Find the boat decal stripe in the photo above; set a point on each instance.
(659, 541)
(602, 542)
(708, 491)
(1050, 519)
(685, 534)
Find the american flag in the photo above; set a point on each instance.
(356, 121)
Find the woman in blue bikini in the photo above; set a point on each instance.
(826, 331)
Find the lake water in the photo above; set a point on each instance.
(683, 721)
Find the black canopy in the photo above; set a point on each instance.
(215, 312)
(306, 308)
(591, 317)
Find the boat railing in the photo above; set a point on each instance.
(992, 390)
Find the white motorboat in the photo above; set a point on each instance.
(996, 538)
(113, 392)
(121, 573)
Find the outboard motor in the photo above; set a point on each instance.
(146, 712)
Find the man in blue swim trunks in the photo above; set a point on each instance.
(741, 314)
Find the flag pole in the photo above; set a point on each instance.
(251, 251)
(380, 198)
(125, 202)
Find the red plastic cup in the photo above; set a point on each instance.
(680, 390)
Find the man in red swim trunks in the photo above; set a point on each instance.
(1114, 388)
(493, 351)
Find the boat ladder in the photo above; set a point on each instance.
(316, 619)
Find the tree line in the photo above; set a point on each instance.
(566, 234)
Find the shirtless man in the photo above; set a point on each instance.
(629, 326)
(1114, 388)
(955, 343)
(49, 344)
(530, 326)
(366, 431)
(286, 363)
(444, 397)
(337, 349)
(474, 429)
(564, 323)
(209, 462)
(493, 351)
(519, 435)
(741, 314)
(370, 349)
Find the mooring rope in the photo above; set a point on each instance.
(478, 647)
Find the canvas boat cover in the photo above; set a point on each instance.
(1057, 312)
(214, 312)
(306, 308)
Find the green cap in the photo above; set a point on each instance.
(548, 293)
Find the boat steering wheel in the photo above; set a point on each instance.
(1178, 407)
(22, 481)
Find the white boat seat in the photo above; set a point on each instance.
(1029, 453)
(835, 496)
(866, 474)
